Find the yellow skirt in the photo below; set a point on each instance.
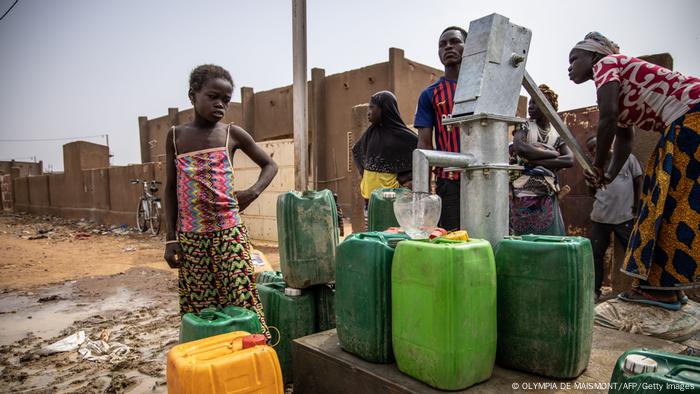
(374, 180)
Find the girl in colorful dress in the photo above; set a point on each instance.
(205, 237)
(534, 204)
(663, 254)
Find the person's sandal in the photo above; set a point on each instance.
(648, 300)
(682, 298)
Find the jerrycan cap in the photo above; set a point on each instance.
(637, 364)
(389, 194)
(292, 292)
(254, 340)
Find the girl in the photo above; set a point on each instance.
(205, 237)
(534, 207)
(384, 153)
(663, 253)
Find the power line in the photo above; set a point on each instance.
(8, 10)
(53, 139)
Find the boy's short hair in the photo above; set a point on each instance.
(201, 74)
(457, 28)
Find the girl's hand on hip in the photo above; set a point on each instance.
(245, 198)
(173, 254)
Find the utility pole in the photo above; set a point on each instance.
(299, 94)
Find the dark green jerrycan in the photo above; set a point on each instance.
(324, 296)
(307, 231)
(649, 371)
(292, 313)
(363, 294)
(545, 304)
(210, 322)
(380, 213)
(443, 301)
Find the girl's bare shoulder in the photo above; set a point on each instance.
(238, 135)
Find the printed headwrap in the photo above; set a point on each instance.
(598, 43)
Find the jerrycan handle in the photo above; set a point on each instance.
(440, 240)
(372, 235)
(212, 314)
(546, 238)
(678, 369)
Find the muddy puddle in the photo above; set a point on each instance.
(137, 309)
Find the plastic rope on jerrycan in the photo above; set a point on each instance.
(443, 300)
(545, 304)
(236, 362)
(650, 371)
(363, 294)
(380, 212)
(210, 322)
(307, 229)
(293, 313)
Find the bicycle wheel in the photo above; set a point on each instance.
(141, 215)
(154, 219)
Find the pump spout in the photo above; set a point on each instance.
(423, 159)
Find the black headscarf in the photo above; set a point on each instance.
(386, 146)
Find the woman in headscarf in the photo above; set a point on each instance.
(384, 153)
(664, 249)
(534, 205)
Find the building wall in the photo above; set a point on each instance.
(25, 168)
(273, 114)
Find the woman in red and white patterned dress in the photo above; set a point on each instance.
(663, 254)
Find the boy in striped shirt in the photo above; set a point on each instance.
(435, 102)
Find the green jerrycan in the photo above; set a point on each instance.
(292, 313)
(443, 300)
(545, 304)
(643, 371)
(307, 231)
(380, 213)
(324, 296)
(363, 294)
(210, 322)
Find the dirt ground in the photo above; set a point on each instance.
(60, 277)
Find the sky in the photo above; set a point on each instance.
(75, 68)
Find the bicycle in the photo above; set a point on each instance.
(148, 210)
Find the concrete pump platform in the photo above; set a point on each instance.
(321, 366)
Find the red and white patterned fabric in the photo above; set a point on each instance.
(651, 96)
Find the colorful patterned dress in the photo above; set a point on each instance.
(216, 269)
(664, 248)
(534, 203)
